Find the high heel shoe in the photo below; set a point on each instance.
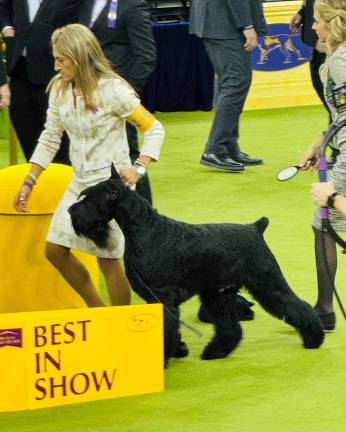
(328, 320)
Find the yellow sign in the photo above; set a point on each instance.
(69, 356)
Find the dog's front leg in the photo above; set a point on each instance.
(228, 332)
(172, 338)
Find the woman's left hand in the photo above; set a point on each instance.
(320, 192)
(129, 175)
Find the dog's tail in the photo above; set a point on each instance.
(262, 224)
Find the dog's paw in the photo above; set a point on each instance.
(182, 350)
(211, 352)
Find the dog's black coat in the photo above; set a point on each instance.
(176, 260)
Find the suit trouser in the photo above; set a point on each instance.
(233, 67)
(28, 111)
(316, 61)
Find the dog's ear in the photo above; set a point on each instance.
(84, 192)
(114, 173)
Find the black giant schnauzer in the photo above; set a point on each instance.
(171, 261)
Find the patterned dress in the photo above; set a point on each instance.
(97, 139)
(335, 71)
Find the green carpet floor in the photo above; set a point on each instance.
(270, 383)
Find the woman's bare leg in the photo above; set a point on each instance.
(117, 284)
(74, 272)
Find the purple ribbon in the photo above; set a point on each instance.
(322, 172)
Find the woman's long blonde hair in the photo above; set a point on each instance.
(333, 13)
(79, 44)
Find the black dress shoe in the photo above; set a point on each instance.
(221, 162)
(245, 159)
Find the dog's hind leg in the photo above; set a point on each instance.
(272, 292)
(222, 308)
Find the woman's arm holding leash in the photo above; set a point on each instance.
(153, 135)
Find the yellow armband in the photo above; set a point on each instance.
(141, 118)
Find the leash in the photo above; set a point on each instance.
(324, 211)
(173, 315)
(183, 323)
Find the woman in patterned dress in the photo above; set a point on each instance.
(330, 26)
(92, 104)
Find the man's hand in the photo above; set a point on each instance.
(296, 22)
(5, 96)
(8, 31)
(250, 39)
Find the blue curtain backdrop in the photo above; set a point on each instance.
(183, 78)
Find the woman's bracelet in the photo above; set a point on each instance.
(140, 167)
(248, 27)
(140, 162)
(33, 177)
(29, 185)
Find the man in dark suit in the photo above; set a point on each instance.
(4, 89)
(229, 30)
(304, 19)
(26, 26)
(127, 40)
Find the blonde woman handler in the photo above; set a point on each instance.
(330, 26)
(92, 104)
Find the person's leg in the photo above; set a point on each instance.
(39, 104)
(326, 265)
(233, 67)
(23, 116)
(316, 61)
(74, 272)
(117, 284)
(28, 111)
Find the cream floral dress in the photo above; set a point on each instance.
(97, 139)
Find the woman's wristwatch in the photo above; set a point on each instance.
(331, 199)
(141, 168)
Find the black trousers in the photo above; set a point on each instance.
(316, 61)
(29, 103)
(232, 65)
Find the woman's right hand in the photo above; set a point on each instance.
(21, 199)
(311, 156)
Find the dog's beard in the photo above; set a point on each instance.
(98, 235)
(87, 226)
